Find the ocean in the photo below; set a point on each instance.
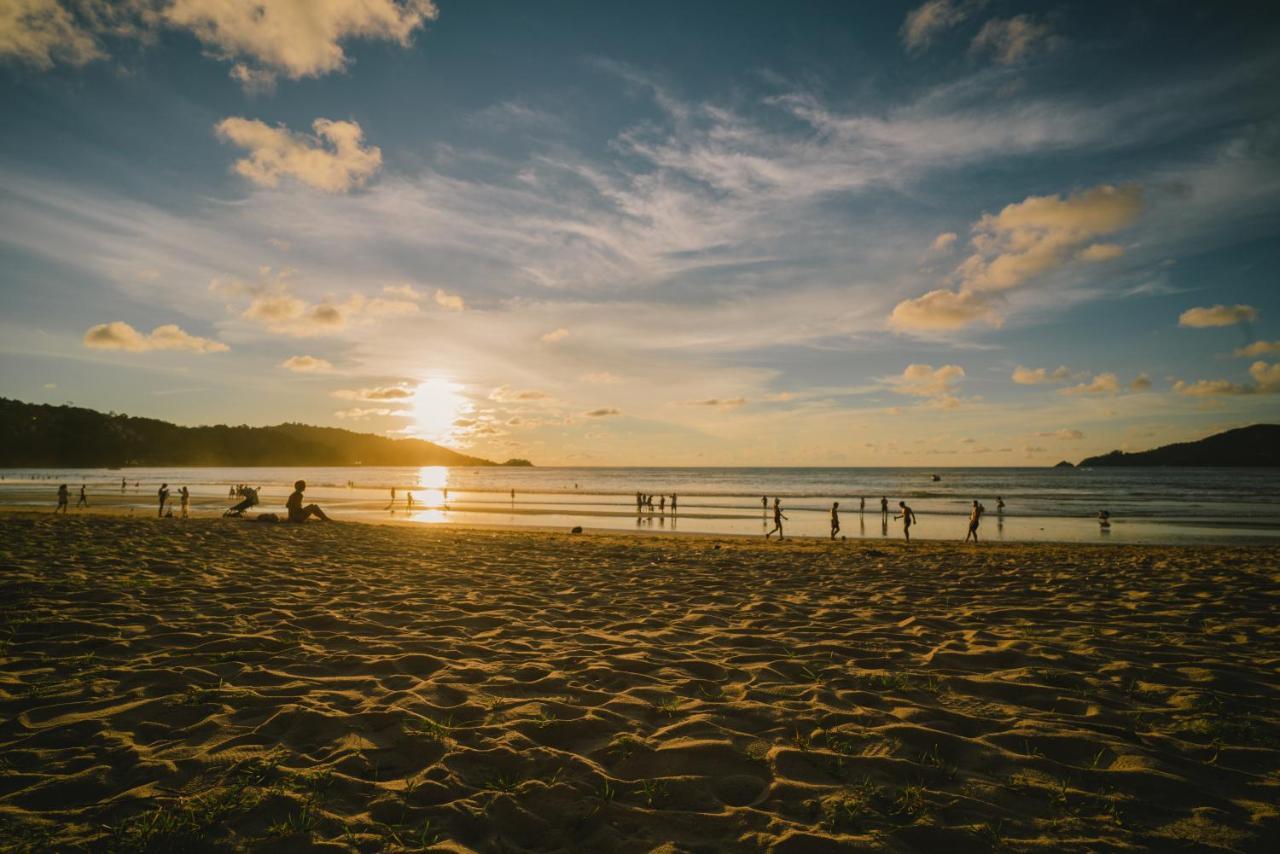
(1146, 505)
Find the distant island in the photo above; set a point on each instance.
(1256, 446)
(33, 435)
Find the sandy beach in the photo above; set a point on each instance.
(214, 684)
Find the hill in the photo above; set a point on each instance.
(69, 436)
(1258, 445)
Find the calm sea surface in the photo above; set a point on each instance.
(1146, 505)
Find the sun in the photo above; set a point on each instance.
(436, 405)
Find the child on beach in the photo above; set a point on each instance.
(835, 519)
(777, 519)
(908, 518)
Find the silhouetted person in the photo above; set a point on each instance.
(184, 496)
(662, 505)
(778, 519)
(408, 500)
(393, 499)
(162, 494)
(231, 492)
(298, 513)
(884, 506)
(513, 496)
(84, 499)
(673, 504)
(975, 516)
(1104, 519)
(123, 485)
(64, 498)
(764, 505)
(835, 519)
(999, 506)
(908, 519)
(862, 505)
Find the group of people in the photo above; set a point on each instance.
(645, 502)
(905, 513)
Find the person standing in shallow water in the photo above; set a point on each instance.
(778, 519)
(64, 498)
(908, 519)
(884, 506)
(835, 519)
(298, 513)
(162, 494)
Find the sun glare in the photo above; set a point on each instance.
(437, 404)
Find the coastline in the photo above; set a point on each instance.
(375, 686)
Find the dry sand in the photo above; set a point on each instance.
(219, 684)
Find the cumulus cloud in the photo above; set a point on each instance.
(1218, 315)
(1266, 376)
(119, 335)
(1024, 240)
(556, 335)
(333, 159)
(507, 394)
(1211, 388)
(943, 309)
(406, 291)
(377, 393)
(1141, 382)
(1039, 376)
(927, 381)
(603, 412)
(1065, 434)
(943, 241)
(929, 20)
(274, 305)
(1011, 40)
(449, 301)
(297, 38)
(40, 33)
(1258, 348)
(306, 365)
(1100, 384)
(717, 402)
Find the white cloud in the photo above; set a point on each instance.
(1037, 376)
(307, 365)
(297, 38)
(1066, 434)
(41, 32)
(1012, 40)
(943, 241)
(405, 291)
(119, 335)
(1257, 348)
(556, 335)
(1218, 315)
(927, 381)
(333, 159)
(1025, 240)
(377, 393)
(1106, 383)
(452, 302)
(928, 20)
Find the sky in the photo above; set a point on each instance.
(851, 234)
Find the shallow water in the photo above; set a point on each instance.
(1147, 505)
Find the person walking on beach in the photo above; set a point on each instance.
(513, 496)
(835, 519)
(999, 506)
(163, 495)
(778, 519)
(392, 502)
(975, 516)
(662, 505)
(298, 513)
(64, 498)
(184, 496)
(862, 505)
(84, 499)
(908, 519)
(408, 500)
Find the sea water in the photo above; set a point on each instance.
(1151, 505)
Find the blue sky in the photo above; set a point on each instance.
(941, 233)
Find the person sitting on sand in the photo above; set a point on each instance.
(64, 498)
(84, 499)
(298, 513)
(162, 494)
(908, 519)
(835, 519)
(975, 515)
(777, 519)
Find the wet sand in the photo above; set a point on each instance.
(219, 684)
